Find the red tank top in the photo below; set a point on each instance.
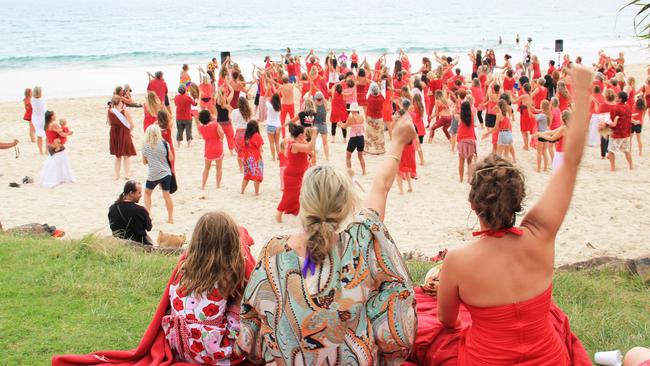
(505, 124)
(51, 136)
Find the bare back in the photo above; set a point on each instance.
(522, 267)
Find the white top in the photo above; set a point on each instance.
(38, 111)
(156, 161)
(238, 120)
(333, 77)
(272, 116)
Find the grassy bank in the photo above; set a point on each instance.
(85, 295)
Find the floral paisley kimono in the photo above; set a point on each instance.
(356, 308)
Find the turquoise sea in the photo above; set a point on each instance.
(85, 47)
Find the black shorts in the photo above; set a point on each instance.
(637, 128)
(165, 182)
(421, 139)
(257, 99)
(356, 143)
(490, 120)
(541, 139)
(354, 65)
(167, 101)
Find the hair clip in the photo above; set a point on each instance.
(494, 168)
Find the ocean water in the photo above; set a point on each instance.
(86, 47)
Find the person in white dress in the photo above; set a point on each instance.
(56, 169)
(38, 116)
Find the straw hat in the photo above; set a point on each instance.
(354, 107)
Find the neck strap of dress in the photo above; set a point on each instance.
(499, 233)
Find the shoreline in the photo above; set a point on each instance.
(80, 81)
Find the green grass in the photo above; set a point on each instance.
(90, 294)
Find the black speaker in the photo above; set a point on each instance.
(224, 55)
(559, 45)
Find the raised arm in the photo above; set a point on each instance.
(403, 133)
(545, 218)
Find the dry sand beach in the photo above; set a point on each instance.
(607, 217)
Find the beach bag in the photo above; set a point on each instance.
(173, 187)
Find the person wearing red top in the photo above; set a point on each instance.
(466, 140)
(183, 103)
(638, 114)
(374, 122)
(354, 60)
(503, 130)
(159, 86)
(435, 84)
(338, 112)
(120, 140)
(253, 163)
(525, 123)
(609, 107)
(539, 93)
(362, 83)
(619, 140)
(563, 96)
(537, 73)
(479, 96)
(165, 124)
(551, 68)
(27, 102)
(151, 107)
(212, 134)
(500, 311)
(596, 99)
(298, 151)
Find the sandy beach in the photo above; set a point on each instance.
(607, 216)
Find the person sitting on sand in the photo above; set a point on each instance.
(126, 97)
(347, 288)
(494, 296)
(8, 145)
(127, 219)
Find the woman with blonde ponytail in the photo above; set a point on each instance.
(340, 286)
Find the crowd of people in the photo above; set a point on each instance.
(335, 294)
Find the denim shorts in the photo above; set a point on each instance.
(505, 137)
(322, 128)
(164, 182)
(454, 126)
(271, 129)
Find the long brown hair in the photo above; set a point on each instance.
(152, 103)
(244, 108)
(214, 257)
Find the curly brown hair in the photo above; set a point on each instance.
(497, 192)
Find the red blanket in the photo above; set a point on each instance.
(153, 348)
(436, 345)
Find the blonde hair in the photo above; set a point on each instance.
(152, 103)
(215, 257)
(153, 135)
(38, 92)
(309, 105)
(327, 199)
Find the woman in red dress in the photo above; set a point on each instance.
(151, 107)
(27, 101)
(165, 124)
(298, 151)
(121, 142)
(338, 113)
(502, 283)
